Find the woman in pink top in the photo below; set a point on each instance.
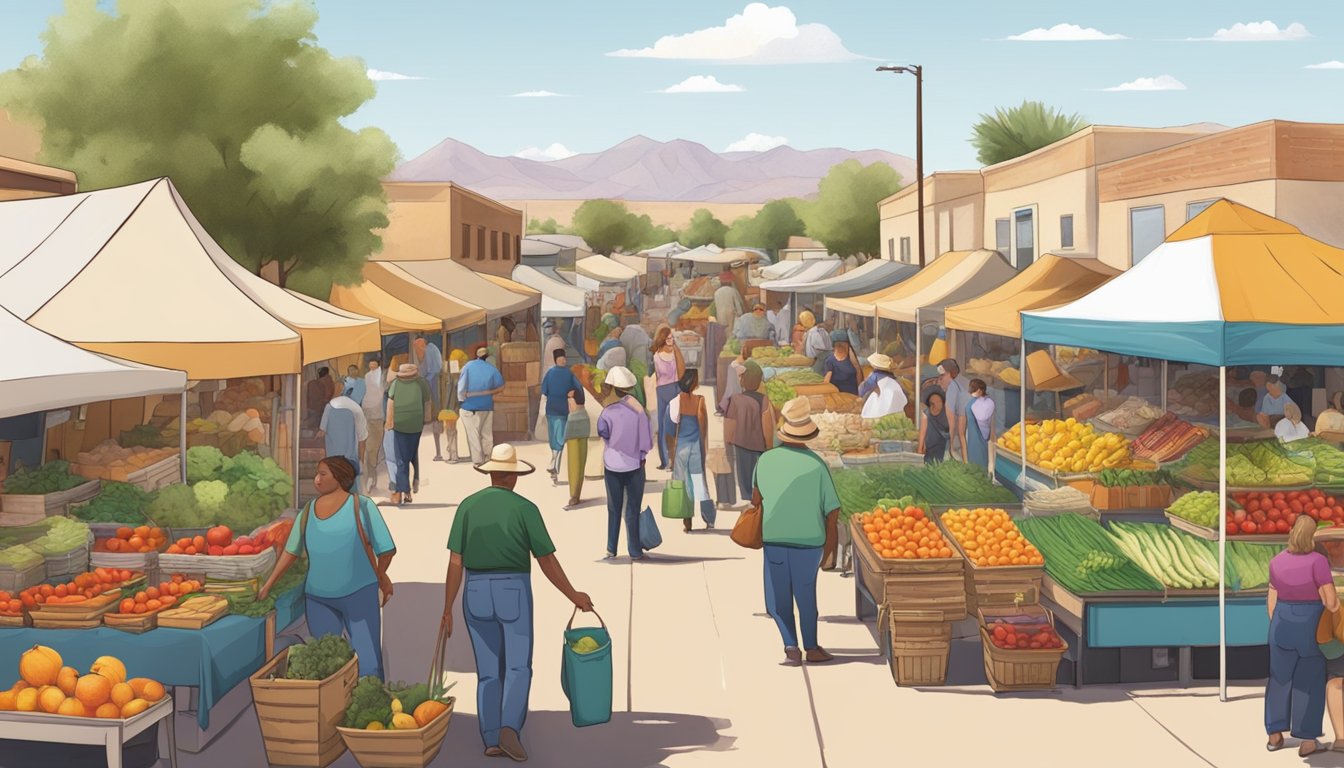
(668, 367)
(1300, 589)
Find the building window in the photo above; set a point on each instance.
(1194, 209)
(905, 250)
(1024, 238)
(891, 248)
(466, 242)
(1147, 230)
(1066, 231)
(518, 246)
(480, 243)
(1002, 235)
(508, 245)
(494, 245)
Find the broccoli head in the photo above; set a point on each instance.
(318, 659)
(410, 696)
(369, 703)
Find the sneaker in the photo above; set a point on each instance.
(610, 555)
(793, 656)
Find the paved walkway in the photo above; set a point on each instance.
(698, 680)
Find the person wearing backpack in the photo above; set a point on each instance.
(349, 548)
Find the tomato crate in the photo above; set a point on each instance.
(1020, 669)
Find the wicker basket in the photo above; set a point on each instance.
(401, 748)
(298, 718)
(223, 568)
(1020, 669)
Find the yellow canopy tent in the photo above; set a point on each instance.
(454, 313)
(865, 304)
(457, 281)
(966, 274)
(394, 315)
(1049, 282)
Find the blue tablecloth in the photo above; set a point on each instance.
(1178, 623)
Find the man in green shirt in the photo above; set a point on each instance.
(800, 509)
(495, 534)
(411, 404)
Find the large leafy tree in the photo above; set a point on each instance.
(844, 217)
(770, 228)
(232, 99)
(1016, 131)
(704, 229)
(606, 225)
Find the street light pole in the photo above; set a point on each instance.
(918, 72)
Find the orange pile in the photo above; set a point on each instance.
(10, 605)
(990, 538)
(141, 539)
(84, 586)
(154, 598)
(904, 534)
(47, 685)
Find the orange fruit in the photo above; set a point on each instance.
(134, 707)
(93, 691)
(40, 666)
(153, 691)
(49, 699)
(26, 700)
(8, 701)
(108, 711)
(121, 694)
(109, 667)
(72, 708)
(66, 680)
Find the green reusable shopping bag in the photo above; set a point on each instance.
(676, 501)
(586, 678)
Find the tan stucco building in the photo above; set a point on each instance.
(954, 210)
(21, 177)
(437, 220)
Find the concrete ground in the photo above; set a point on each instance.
(698, 679)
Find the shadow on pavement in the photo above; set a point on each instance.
(654, 558)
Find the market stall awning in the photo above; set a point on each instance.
(664, 251)
(1049, 282)
(784, 269)
(605, 270)
(713, 254)
(123, 272)
(640, 264)
(1232, 286)
(558, 298)
(803, 280)
(965, 275)
(875, 274)
(454, 313)
(39, 372)
(467, 286)
(394, 315)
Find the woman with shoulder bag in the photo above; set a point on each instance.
(687, 440)
(349, 549)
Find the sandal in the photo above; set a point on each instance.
(1315, 745)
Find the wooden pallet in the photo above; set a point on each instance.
(911, 585)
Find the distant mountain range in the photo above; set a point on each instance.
(642, 169)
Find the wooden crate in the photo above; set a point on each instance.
(1131, 497)
(25, 509)
(160, 473)
(298, 718)
(514, 372)
(519, 352)
(135, 623)
(997, 585)
(510, 418)
(912, 585)
(398, 749)
(920, 661)
(85, 615)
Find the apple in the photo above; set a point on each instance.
(247, 549)
(232, 549)
(215, 550)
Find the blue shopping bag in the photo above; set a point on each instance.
(586, 678)
(649, 535)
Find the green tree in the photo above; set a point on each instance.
(844, 217)
(232, 99)
(606, 225)
(770, 228)
(703, 230)
(1016, 131)
(547, 227)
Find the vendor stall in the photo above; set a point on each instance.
(875, 275)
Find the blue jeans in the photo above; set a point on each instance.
(555, 431)
(791, 576)
(498, 610)
(408, 453)
(624, 490)
(666, 394)
(1295, 692)
(359, 617)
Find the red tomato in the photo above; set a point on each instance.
(1239, 515)
(1248, 527)
(1259, 517)
(1232, 528)
(1275, 514)
(1296, 506)
(1282, 526)
(1338, 510)
(1326, 514)
(1251, 505)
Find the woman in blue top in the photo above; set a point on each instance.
(691, 418)
(842, 368)
(348, 548)
(558, 386)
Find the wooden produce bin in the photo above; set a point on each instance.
(935, 585)
(1131, 497)
(920, 645)
(414, 748)
(298, 718)
(25, 509)
(997, 586)
(1020, 669)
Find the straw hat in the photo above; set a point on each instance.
(408, 371)
(806, 319)
(880, 362)
(620, 377)
(796, 424)
(505, 459)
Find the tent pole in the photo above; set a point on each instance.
(919, 371)
(1222, 533)
(1022, 410)
(182, 433)
(294, 436)
(1164, 386)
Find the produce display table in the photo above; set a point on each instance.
(1156, 620)
(59, 729)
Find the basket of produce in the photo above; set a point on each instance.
(1167, 439)
(1269, 515)
(1064, 446)
(20, 568)
(11, 609)
(894, 427)
(29, 495)
(53, 691)
(65, 544)
(1058, 501)
(116, 504)
(145, 467)
(1083, 559)
(1133, 417)
(218, 555)
(80, 604)
(1251, 466)
(1196, 513)
(920, 643)
(1173, 557)
(1002, 567)
(241, 492)
(126, 547)
(396, 725)
(1131, 489)
(138, 610)
(904, 561)
(1022, 650)
(301, 696)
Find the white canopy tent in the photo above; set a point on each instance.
(558, 298)
(803, 280)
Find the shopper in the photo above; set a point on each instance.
(1330, 422)
(558, 386)
(554, 341)
(613, 341)
(636, 343)
(779, 323)
(476, 388)
(800, 509)
(817, 344)
(624, 427)
(1300, 588)
(979, 420)
(753, 325)
(668, 368)
(431, 367)
(495, 534)
(374, 409)
(691, 430)
(578, 430)
(841, 368)
(727, 301)
(354, 384)
(934, 431)
(344, 430)
(733, 384)
(748, 427)
(316, 395)
(881, 392)
(1291, 428)
(1271, 410)
(348, 548)
(1329, 634)
(410, 410)
(955, 400)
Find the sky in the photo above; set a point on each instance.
(736, 76)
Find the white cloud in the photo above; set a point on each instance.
(378, 74)
(1326, 65)
(536, 94)
(1064, 33)
(1159, 83)
(1258, 32)
(702, 84)
(761, 34)
(554, 152)
(756, 142)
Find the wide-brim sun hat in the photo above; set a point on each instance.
(620, 377)
(796, 424)
(408, 371)
(504, 458)
(880, 362)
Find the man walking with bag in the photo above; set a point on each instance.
(494, 536)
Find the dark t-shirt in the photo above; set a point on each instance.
(844, 376)
(497, 530)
